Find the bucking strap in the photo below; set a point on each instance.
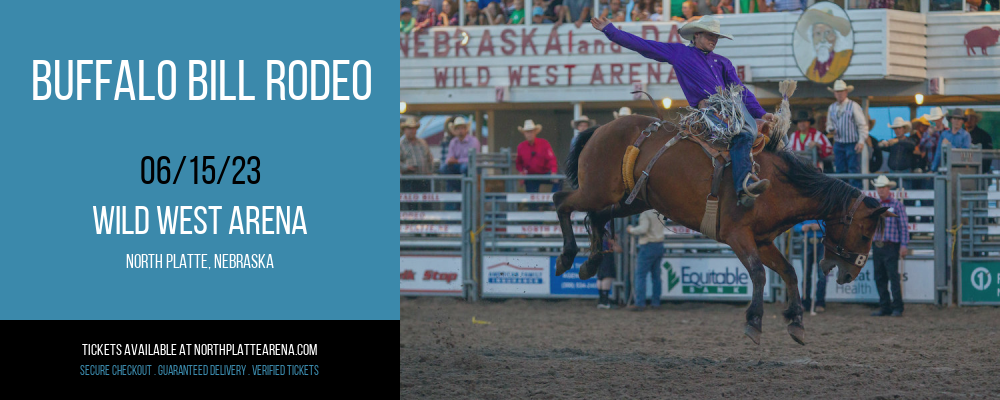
(645, 172)
(632, 153)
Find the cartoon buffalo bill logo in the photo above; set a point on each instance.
(823, 42)
(982, 38)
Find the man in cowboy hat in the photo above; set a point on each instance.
(929, 140)
(957, 136)
(821, 28)
(846, 120)
(624, 111)
(414, 159)
(581, 124)
(900, 147)
(700, 71)
(534, 156)
(979, 136)
(889, 245)
(459, 149)
(805, 137)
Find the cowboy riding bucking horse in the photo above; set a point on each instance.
(700, 73)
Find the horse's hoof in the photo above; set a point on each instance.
(588, 269)
(798, 332)
(561, 266)
(753, 333)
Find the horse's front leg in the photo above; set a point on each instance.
(745, 248)
(773, 258)
(564, 210)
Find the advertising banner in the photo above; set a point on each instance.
(705, 279)
(980, 282)
(430, 275)
(917, 280)
(569, 283)
(516, 275)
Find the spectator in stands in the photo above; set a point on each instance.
(657, 14)
(576, 12)
(724, 7)
(622, 112)
(873, 4)
(406, 21)
(459, 149)
(917, 135)
(979, 136)
(414, 159)
(615, 12)
(650, 232)
(929, 140)
(473, 16)
(449, 14)
(812, 229)
(535, 157)
(517, 14)
(957, 136)
(805, 138)
(538, 13)
(606, 271)
(553, 12)
(875, 156)
(494, 12)
(847, 122)
(638, 15)
(425, 15)
(786, 5)
(900, 148)
(690, 12)
(888, 246)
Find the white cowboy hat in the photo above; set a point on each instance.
(529, 126)
(899, 122)
(936, 114)
(882, 181)
(841, 85)
(705, 24)
(822, 15)
(410, 123)
(459, 121)
(622, 112)
(583, 118)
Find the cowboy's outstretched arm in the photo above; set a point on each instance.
(663, 52)
(748, 98)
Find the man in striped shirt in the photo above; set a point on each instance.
(847, 121)
(889, 246)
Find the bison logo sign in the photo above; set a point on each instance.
(982, 38)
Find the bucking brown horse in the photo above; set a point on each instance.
(677, 187)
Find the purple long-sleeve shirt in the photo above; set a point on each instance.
(697, 72)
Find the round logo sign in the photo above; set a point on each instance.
(980, 278)
(823, 42)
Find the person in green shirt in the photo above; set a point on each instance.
(518, 14)
(406, 20)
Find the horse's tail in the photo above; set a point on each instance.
(573, 161)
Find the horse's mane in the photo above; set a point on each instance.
(833, 195)
(573, 160)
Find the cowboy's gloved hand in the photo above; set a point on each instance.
(768, 117)
(883, 144)
(858, 147)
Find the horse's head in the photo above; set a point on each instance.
(849, 236)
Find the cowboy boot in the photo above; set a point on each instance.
(747, 197)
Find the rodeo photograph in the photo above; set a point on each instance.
(699, 199)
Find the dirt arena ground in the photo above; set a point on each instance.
(544, 349)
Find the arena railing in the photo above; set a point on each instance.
(521, 239)
(977, 245)
(433, 252)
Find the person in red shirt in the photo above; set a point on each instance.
(535, 157)
(806, 137)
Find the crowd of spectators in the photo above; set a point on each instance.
(421, 14)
